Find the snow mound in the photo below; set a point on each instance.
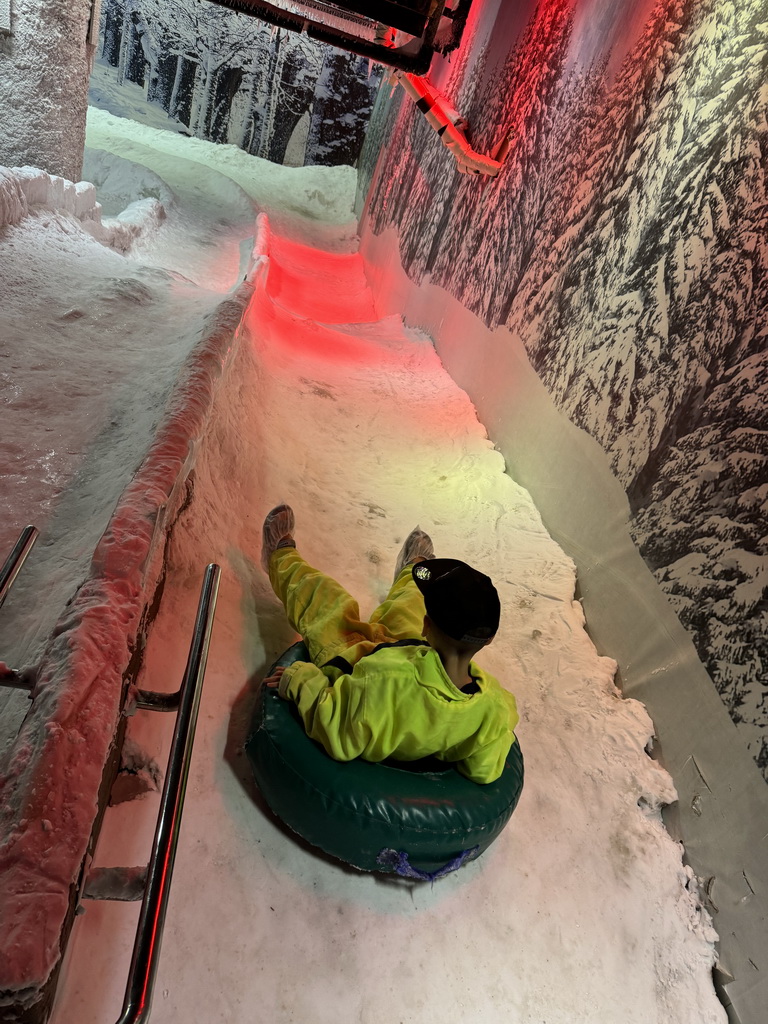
(139, 219)
(291, 196)
(121, 183)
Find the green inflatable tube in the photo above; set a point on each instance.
(418, 819)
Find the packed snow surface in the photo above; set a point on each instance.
(582, 911)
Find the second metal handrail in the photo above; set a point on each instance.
(8, 573)
(16, 559)
(146, 951)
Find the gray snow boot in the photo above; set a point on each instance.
(417, 546)
(277, 532)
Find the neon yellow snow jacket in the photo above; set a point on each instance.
(399, 702)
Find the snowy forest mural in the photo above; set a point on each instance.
(625, 241)
(227, 77)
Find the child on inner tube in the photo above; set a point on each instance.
(402, 685)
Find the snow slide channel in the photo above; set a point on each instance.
(581, 912)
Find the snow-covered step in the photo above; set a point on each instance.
(325, 286)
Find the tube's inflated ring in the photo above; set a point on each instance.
(419, 819)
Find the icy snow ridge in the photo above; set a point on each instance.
(79, 696)
(24, 189)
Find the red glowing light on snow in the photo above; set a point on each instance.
(309, 306)
(328, 287)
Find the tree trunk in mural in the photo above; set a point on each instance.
(180, 103)
(342, 98)
(110, 50)
(293, 98)
(258, 109)
(229, 81)
(161, 81)
(122, 52)
(208, 73)
(268, 94)
(132, 54)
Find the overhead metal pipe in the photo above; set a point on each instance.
(273, 14)
(443, 119)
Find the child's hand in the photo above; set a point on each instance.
(273, 681)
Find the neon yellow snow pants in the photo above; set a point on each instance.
(328, 618)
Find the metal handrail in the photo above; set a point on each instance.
(17, 680)
(149, 933)
(16, 559)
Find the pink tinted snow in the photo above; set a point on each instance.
(313, 276)
(50, 793)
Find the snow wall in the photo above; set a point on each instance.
(44, 67)
(603, 304)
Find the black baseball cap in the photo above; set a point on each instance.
(461, 601)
